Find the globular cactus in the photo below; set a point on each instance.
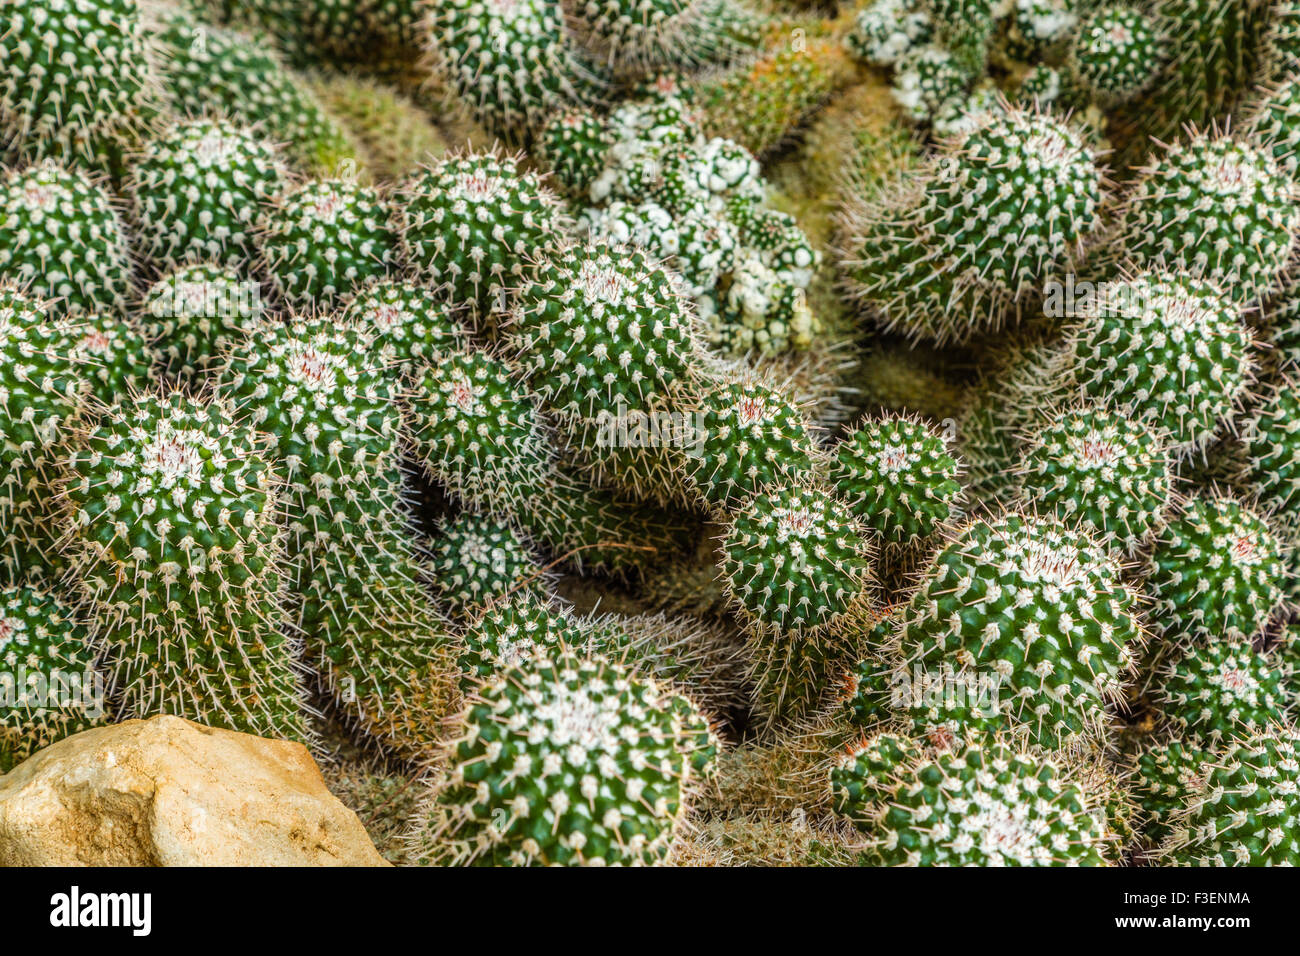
(988, 804)
(471, 224)
(1272, 448)
(53, 688)
(1164, 348)
(1101, 470)
(1274, 122)
(1243, 815)
(512, 64)
(899, 477)
(576, 143)
(193, 314)
(1213, 206)
(41, 401)
(175, 541)
(1115, 54)
(1216, 571)
(925, 78)
(760, 313)
(116, 357)
(1210, 693)
(509, 633)
(61, 238)
(1040, 612)
(1164, 774)
(966, 28)
(410, 324)
(1036, 26)
(953, 254)
(636, 37)
(213, 68)
(197, 189)
(325, 239)
(74, 70)
(565, 760)
(884, 30)
(477, 560)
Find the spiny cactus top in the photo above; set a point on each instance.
(795, 560)
(1164, 348)
(1213, 692)
(177, 543)
(1245, 814)
(1100, 469)
(886, 29)
(750, 437)
(1116, 53)
(999, 212)
(508, 634)
(1039, 609)
(1273, 447)
(193, 314)
(637, 36)
(979, 805)
(1164, 775)
(899, 477)
(60, 237)
(45, 650)
(602, 328)
(116, 358)
(511, 61)
(39, 385)
(477, 560)
(566, 760)
(410, 324)
(1216, 571)
(197, 190)
(925, 78)
(576, 144)
(1215, 207)
(325, 239)
(72, 67)
(472, 222)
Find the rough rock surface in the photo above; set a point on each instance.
(169, 792)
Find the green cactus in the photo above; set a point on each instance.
(1216, 207)
(563, 760)
(1116, 54)
(114, 356)
(1101, 470)
(1036, 609)
(576, 144)
(1216, 571)
(1036, 26)
(176, 544)
(410, 324)
(511, 632)
(1214, 692)
(989, 804)
(953, 252)
(54, 689)
(636, 37)
(899, 477)
(1164, 774)
(72, 70)
(471, 221)
(197, 189)
(326, 239)
(477, 560)
(195, 313)
(884, 30)
(925, 78)
(1243, 815)
(61, 238)
(1272, 447)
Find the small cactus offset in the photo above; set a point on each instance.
(1116, 54)
(563, 760)
(477, 560)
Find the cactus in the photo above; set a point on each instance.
(982, 805)
(576, 143)
(1100, 470)
(899, 477)
(325, 239)
(471, 220)
(925, 79)
(1115, 54)
(410, 324)
(1242, 816)
(512, 64)
(510, 633)
(175, 542)
(41, 393)
(966, 28)
(1216, 207)
(1214, 692)
(884, 30)
(974, 238)
(477, 560)
(1166, 349)
(197, 189)
(1164, 774)
(215, 68)
(1216, 571)
(1036, 26)
(1272, 446)
(195, 313)
(113, 356)
(1037, 609)
(53, 687)
(60, 237)
(635, 37)
(563, 761)
(1274, 122)
(73, 70)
